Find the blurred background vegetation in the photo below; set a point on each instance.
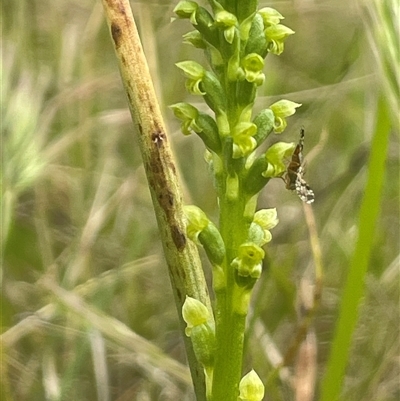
(87, 309)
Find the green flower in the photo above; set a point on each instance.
(195, 73)
(243, 141)
(202, 124)
(253, 65)
(228, 22)
(187, 9)
(188, 115)
(282, 109)
(277, 34)
(276, 156)
(263, 221)
(195, 39)
(249, 260)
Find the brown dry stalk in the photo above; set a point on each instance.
(181, 254)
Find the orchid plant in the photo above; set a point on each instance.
(236, 38)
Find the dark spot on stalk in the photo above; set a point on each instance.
(116, 33)
(178, 237)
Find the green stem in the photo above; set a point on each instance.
(230, 324)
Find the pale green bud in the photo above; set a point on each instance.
(197, 221)
(283, 109)
(203, 231)
(200, 328)
(266, 218)
(251, 387)
(194, 313)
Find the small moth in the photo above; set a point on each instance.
(294, 177)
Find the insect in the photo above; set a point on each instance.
(295, 171)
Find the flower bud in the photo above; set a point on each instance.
(197, 221)
(203, 231)
(251, 387)
(200, 328)
(194, 313)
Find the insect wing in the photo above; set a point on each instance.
(303, 190)
(295, 172)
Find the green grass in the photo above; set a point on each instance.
(87, 308)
